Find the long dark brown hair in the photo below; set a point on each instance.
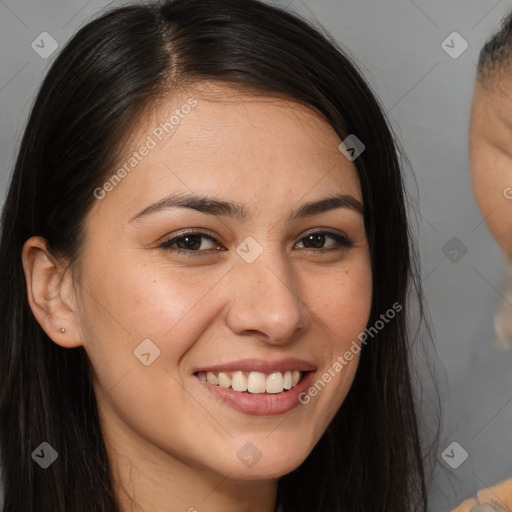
(370, 458)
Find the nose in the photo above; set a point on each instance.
(265, 300)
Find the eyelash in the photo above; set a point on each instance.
(342, 242)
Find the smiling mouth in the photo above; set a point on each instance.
(253, 382)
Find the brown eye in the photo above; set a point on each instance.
(318, 240)
(315, 240)
(191, 242)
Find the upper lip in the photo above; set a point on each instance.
(260, 365)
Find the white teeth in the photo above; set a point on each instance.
(253, 382)
(256, 383)
(212, 378)
(275, 383)
(224, 380)
(287, 380)
(239, 382)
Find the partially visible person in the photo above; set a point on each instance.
(492, 499)
(490, 152)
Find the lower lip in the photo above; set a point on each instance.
(260, 404)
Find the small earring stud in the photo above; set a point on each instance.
(62, 329)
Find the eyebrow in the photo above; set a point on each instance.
(219, 207)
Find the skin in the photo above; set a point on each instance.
(490, 155)
(172, 446)
(499, 495)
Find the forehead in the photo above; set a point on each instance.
(235, 144)
(235, 125)
(493, 97)
(227, 114)
(491, 117)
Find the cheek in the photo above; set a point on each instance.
(341, 307)
(140, 309)
(131, 302)
(492, 184)
(342, 299)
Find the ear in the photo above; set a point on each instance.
(51, 293)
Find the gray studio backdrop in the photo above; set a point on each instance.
(423, 73)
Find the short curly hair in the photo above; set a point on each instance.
(497, 51)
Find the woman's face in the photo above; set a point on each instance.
(490, 151)
(250, 280)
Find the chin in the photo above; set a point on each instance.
(270, 461)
